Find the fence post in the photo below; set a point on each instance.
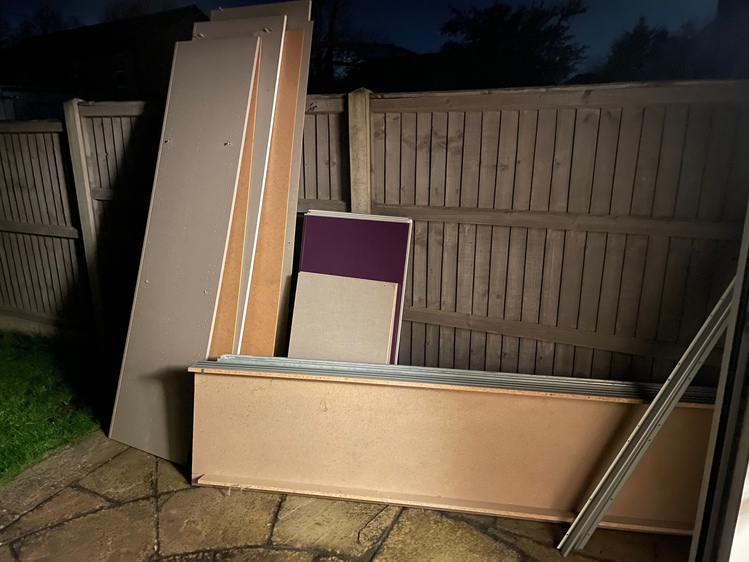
(85, 207)
(359, 151)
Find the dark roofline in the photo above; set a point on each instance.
(134, 21)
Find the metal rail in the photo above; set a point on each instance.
(452, 377)
(638, 442)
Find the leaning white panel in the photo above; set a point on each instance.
(296, 11)
(271, 32)
(188, 224)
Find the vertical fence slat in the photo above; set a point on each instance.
(455, 129)
(581, 176)
(503, 199)
(467, 234)
(437, 175)
(421, 234)
(310, 157)
(543, 164)
(486, 185)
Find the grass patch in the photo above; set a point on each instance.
(38, 413)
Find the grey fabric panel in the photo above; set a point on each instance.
(271, 32)
(191, 205)
(342, 319)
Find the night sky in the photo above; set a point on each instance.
(415, 24)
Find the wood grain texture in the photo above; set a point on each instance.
(224, 332)
(263, 305)
(559, 444)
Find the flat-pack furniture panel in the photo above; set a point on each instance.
(482, 450)
(298, 15)
(362, 246)
(261, 319)
(342, 319)
(298, 11)
(271, 32)
(225, 319)
(185, 242)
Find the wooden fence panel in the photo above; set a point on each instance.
(324, 180)
(40, 271)
(114, 146)
(624, 164)
(582, 231)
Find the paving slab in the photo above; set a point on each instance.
(539, 540)
(6, 518)
(199, 557)
(210, 518)
(427, 535)
(623, 547)
(127, 477)
(120, 534)
(335, 526)
(265, 555)
(51, 475)
(169, 478)
(65, 505)
(5, 554)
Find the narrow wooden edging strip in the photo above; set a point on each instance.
(571, 96)
(320, 105)
(568, 221)
(266, 284)
(593, 340)
(306, 205)
(112, 109)
(38, 126)
(52, 230)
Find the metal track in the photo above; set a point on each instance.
(452, 377)
(638, 442)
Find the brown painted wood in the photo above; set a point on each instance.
(455, 133)
(563, 336)
(419, 269)
(505, 179)
(437, 167)
(466, 270)
(608, 95)
(576, 222)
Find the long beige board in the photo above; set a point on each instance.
(298, 14)
(261, 320)
(193, 195)
(271, 31)
(492, 451)
(342, 319)
(224, 323)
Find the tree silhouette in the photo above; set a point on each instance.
(502, 45)
(652, 53)
(45, 20)
(492, 47)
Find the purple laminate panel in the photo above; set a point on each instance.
(374, 249)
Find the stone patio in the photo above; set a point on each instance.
(102, 501)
